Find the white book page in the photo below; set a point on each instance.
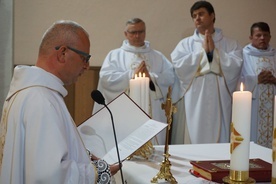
(134, 141)
(97, 131)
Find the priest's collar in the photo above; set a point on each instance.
(130, 48)
(251, 50)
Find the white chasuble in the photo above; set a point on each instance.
(118, 68)
(207, 86)
(42, 144)
(256, 61)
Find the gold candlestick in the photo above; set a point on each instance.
(165, 171)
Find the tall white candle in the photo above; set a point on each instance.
(274, 146)
(134, 86)
(147, 95)
(143, 91)
(139, 91)
(240, 132)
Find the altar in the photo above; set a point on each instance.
(141, 171)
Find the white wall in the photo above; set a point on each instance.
(167, 22)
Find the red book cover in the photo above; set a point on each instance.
(216, 170)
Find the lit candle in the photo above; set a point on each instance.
(240, 134)
(273, 179)
(134, 93)
(139, 91)
(143, 91)
(147, 94)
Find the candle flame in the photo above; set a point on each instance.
(140, 75)
(241, 87)
(135, 76)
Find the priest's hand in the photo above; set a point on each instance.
(114, 169)
(208, 43)
(261, 77)
(93, 157)
(142, 68)
(266, 77)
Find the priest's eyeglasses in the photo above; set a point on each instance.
(84, 55)
(136, 32)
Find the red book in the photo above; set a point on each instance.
(216, 170)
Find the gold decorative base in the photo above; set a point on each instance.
(165, 169)
(273, 180)
(144, 152)
(165, 172)
(227, 179)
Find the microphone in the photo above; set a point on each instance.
(98, 97)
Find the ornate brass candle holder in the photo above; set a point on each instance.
(238, 177)
(165, 171)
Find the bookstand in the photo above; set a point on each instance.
(134, 129)
(165, 171)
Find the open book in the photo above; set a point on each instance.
(133, 128)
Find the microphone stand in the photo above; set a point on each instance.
(116, 143)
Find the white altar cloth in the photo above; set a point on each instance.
(139, 171)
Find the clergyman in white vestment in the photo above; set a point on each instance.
(133, 57)
(258, 75)
(208, 66)
(39, 139)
